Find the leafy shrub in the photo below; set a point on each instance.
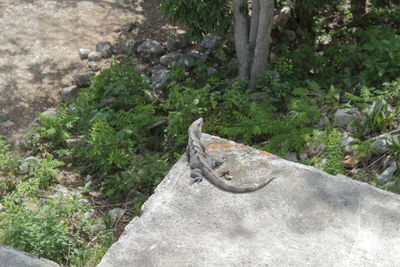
(331, 160)
(56, 230)
(55, 128)
(8, 169)
(380, 117)
(199, 16)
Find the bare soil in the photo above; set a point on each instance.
(39, 44)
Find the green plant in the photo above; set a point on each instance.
(55, 127)
(199, 16)
(380, 117)
(331, 160)
(8, 169)
(55, 229)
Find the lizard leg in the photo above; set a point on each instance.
(197, 175)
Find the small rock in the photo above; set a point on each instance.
(150, 47)
(83, 79)
(2, 208)
(343, 117)
(104, 48)
(116, 213)
(169, 58)
(303, 156)
(187, 60)
(95, 56)
(177, 42)
(316, 150)
(140, 67)
(323, 123)
(7, 123)
(220, 55)
(130, 46)
(152, 96)
(291, 156)
(280, 20)
(387, 174)
(211, 70)
(160, 77)
(209, 41)
(49, 111)
(127, 27)
(25, 165)
(69, 93)
(290, 35)
(379, 144)
(350, 162)
(84, 53)
(93, 66)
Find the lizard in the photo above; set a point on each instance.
(199, 166)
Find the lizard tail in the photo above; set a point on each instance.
(220, 184)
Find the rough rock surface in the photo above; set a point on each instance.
(11, 257)
(304, 217)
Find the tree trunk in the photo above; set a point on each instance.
(241, 33)
(358, 8)
(263, 40)
(252, 38)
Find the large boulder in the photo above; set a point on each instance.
(10, 257)
(304, 217)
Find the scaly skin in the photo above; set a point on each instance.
(199, 166)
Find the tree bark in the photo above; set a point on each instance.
(263, 40)
(255, 18)
(241, 34)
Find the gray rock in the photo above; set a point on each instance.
(93, 66)
(169, 58)
(209, 41)
(95, 56)
(160, 77)
(150, 47)
(323, 123)
(104, 48)
(116, 213)
(187, 60)
(281, 18)
(152, 95)
(211, 70)
(2, 208)
(291, 156)
(25, 165)
(69, 93)
(83, 79)
(303, 156)
(380, 143)
(304, 217)
(290, 35)
(177, 42)
(343, 117)
(49, 111)
(84, 53)
(387, 174)
(10, 257)
(130, 46)
(7, 123)
(127, 27)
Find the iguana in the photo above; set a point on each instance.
(200, 167)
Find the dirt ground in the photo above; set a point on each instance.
(39, 42)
